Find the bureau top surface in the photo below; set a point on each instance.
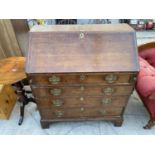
(82, 48)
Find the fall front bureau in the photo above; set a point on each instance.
(82, 72)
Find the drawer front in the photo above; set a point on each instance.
(81, 101)
(80, 113)
(61, 79)
(81, 91)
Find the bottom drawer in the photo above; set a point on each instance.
(80, 112)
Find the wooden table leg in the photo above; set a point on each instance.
(22, 99)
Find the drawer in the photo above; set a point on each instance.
(81, 91)
(80, 113)
(81, 101)
(96, 78)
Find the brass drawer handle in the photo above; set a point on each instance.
(81, 99)
(57, 103)
(81, 36)
(103, 112)
(82, 77)
(106, 101)
(56, 92)
(108, 91)
(30, 81)
(111, 78)
(59, 114)
(132, 79)
(54, 79)
(82, 109)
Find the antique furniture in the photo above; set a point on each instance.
(145, 84)
(82, 72)
(7, 101)
(12, 71)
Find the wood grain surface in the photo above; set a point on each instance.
(8, 99)
(67, 51)
(88, 78)
(12, 70)
(82, 101)
(87, 90)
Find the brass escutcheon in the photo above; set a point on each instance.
(59, 114)
(81, 99)
(81, 36)
(103, 112)
(82, 77)
(108, 91)
(106, 101)
(82, 109)
(57, 103)
(56, 92)
(111, 78)
(54, 79)
(82, 88)
(30, 80)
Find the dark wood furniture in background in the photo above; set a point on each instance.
(82, 72)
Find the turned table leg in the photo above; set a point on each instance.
(22, 107)
(22, 99)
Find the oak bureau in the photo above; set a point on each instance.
(82, 72)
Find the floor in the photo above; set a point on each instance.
(135, 118)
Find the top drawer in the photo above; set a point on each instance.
(81, 78)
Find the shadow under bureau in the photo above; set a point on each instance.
(82, 72)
